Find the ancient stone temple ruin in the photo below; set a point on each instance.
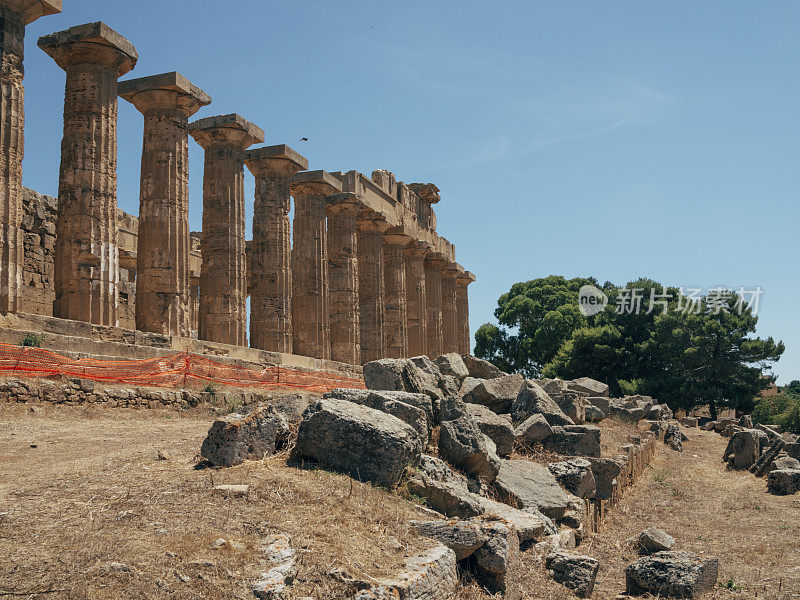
(360, 273)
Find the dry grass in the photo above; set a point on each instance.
(92, 494)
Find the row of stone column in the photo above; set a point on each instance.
(360, 291)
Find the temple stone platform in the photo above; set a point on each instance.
(77, 339)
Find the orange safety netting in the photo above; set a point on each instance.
(179, 370)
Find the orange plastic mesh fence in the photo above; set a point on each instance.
(168, 371)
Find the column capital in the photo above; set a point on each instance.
(427, 191)
(226, 130)
(346, 203)
(315, 182)
(466, 277)
(452, 270)
(436, 260)
(371, 221)
(32, 9)
(167, 91)
(395, 236)
(417, 249)
(275, 159)
(93, 44)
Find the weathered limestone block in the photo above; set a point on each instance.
(605, 471)
(462, 443)
(496, 394)
(365, 443)
(532, 400)
(431, 575)
(434, 263)
(86, 273)
(371, 287)
(574, 440)
(531, 485)
(743, 449)
(574, 571)
(462, 537)
(236, 438)
(416, 303)
(271, 250)
(653, 540)
(343, 210)
(672, 575)
(14, 16)
(783, 482)
(280, 560)
(310, 308)
(452, 364)
(396, 323)
(450, 324)
(162, 270)
(223, 279)
(495, 427)
(498, 560)
(533, 430)
(575, 476)
(462, 311)
(589, 386)
(479, 368)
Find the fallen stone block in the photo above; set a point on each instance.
(236, 438)
(576, 476)
(496, 394)
(652, 540)
(281, 560)
(532, 400)
(673, 437)
(497, 560)
(782, 463)
(494, 426)
(689, 421)
(479, 368)
(462, 443)
(462, 537)
(533, 430)
(605, 471)
(574, 440)
(431, 575)
(672, 574)
(590, 386)
(530, 485)
(365, 443)
(234, 490)
(592, 414)
(783, 482)
(573, 571)
(452, 364)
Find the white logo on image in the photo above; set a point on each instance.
(591, 300)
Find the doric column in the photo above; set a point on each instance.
(396, 326)
(416, 305)
(310, 316)
(343, 210)
(462, 310)
(14, 16)
(450, 272)
(162, 280)
(371, 287)
(223, 275)
(271, 249)
(433, 295)
(94, 56)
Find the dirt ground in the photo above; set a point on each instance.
(88, 511)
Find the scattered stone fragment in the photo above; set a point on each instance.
(496, 394)
(236, 438)
(462, 443)
(574, 440)
(479, 368)
(365, 443)
(743, 449)
(280, 559)
(605, 471)
(530, 485)
(573, 571)
(163, 455)
(452, 364)
(589, 386)
(592, 414)
(783, 463)
(673, 437)
(672, 574)
(533, 430)
(532, 400)
(783, 482)
(576, 476)
(227, 489)
(653, 540)
(431, 575)
(499, 429)
(497, 560)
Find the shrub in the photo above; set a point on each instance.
(782, 409)
(32, 340)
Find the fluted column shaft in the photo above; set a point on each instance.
(462, 313)
(271, 251)
(449, 315)
(162, 277)
(310, 309)
(371, 289)
(433, 296)
(223, 275)
(396, 325)
(343, 278)
(86, 253)
(416, 306)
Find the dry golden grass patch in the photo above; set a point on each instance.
(90, 512)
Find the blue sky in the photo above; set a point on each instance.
(616, 139)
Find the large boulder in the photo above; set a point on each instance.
(783, 482)
(452, 364)
(592, 414)
(571, 404)
(574, 440)
(393, 403)
(605, 471)
(575, 476)
(494, 426)
(742, 450)
(533, 430)
(589, 386)
(421, 401)
(496, 394)
(673, 437)
(462, 444)
(363, 442)
(532, 400)
(653, 540)
(672, 575)
(386, 374)
(418, 375)
(236, 438)
(462, 537)
(530, 485)
(573, 571)
(479, 368)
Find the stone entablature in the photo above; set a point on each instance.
(359, 274)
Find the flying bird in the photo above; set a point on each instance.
(303, 139)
